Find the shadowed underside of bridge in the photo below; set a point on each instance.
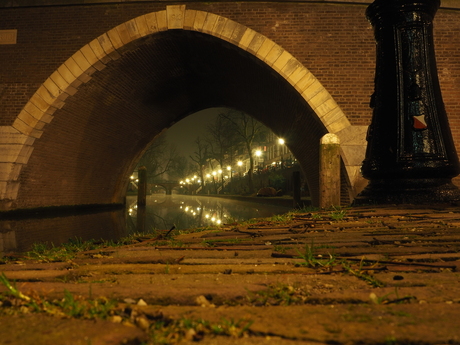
(94, 137)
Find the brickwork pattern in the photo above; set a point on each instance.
(319, 36)
(335, 43)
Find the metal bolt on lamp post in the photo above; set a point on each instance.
(410, 157)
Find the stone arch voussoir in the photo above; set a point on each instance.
(17, 140)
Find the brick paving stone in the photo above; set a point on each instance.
(38, 329)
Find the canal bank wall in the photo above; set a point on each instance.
(282, 201)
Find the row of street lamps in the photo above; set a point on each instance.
(190, 180)
(195, 179)
(213, 174)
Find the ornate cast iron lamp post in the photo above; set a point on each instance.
(411, 157)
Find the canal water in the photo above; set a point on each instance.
(162, 212)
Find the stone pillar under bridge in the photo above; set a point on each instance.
(410, 157)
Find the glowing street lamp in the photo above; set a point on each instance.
(259, 160)
(281, 141)
(240, 165)
(229, 169)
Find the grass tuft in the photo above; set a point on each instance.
(70, 306)
(313, 260)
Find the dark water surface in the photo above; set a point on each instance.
(161, 213)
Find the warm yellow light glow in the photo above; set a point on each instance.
(258, 153)
(229, 168)
(280, 141)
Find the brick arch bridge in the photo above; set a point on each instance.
(168, 186)
(77, 137)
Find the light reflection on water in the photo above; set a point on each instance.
(20, 234)
(162, 212)
(186, 211)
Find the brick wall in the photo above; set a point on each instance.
(334, 41)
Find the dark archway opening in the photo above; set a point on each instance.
(87, 152)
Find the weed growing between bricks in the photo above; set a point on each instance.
(161, 330)
(14, 301)
(48, 252)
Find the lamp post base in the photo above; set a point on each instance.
(409, 191)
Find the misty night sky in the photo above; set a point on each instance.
(184, 133)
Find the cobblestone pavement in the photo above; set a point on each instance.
(361, 275)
